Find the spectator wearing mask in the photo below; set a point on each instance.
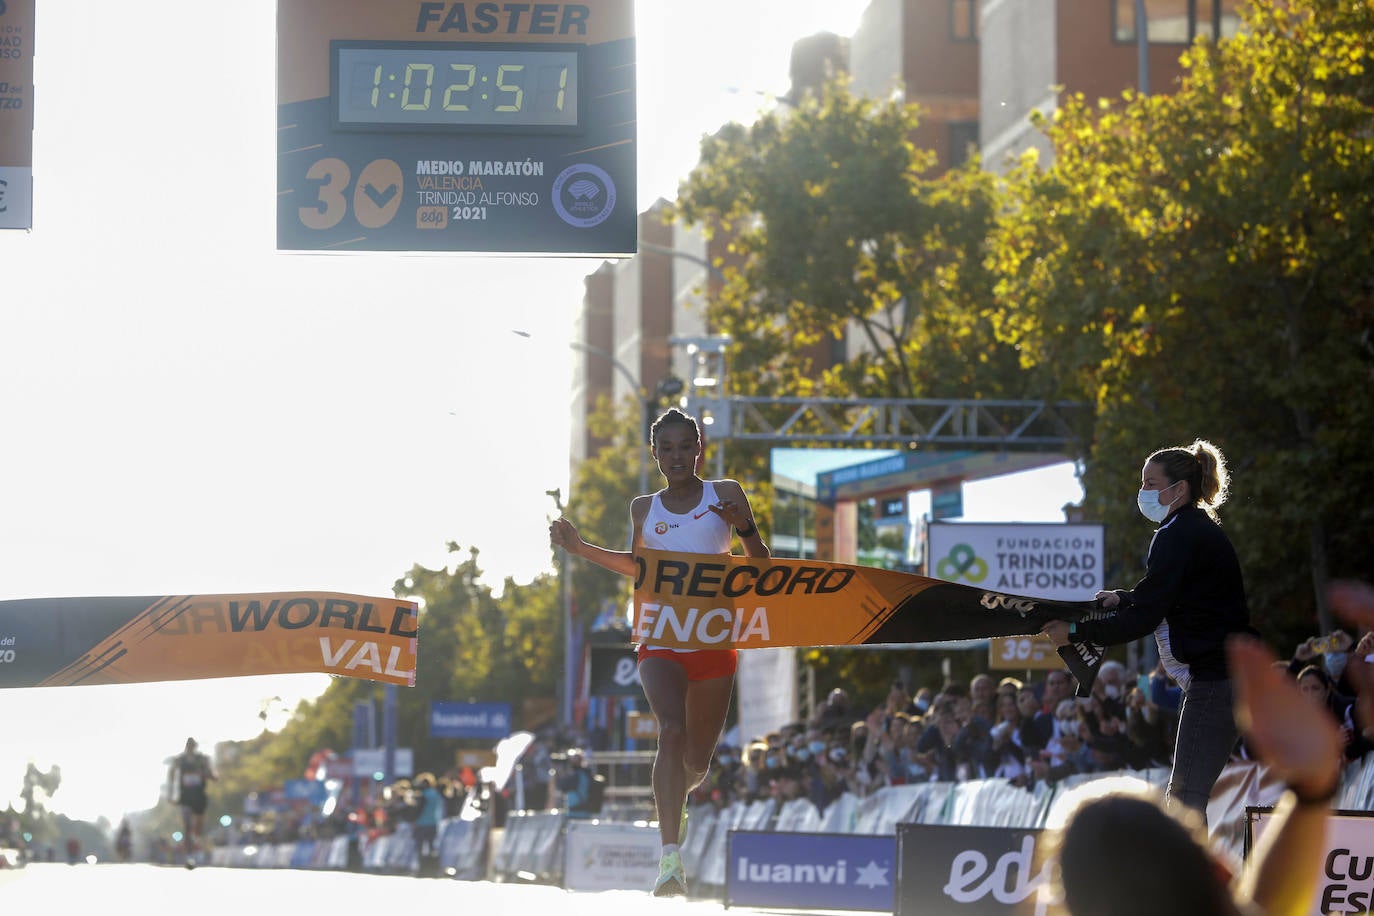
(1006, 757)
(1191, 598)
(1317, 685)
(1059, 687)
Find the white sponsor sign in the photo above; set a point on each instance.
(368, 761)
(1346, 882)
(1059, 561)
(610, 857)
(766, 685)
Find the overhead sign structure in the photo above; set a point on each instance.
(464, 127)
(16, 114)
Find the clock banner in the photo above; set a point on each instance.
(61, 642)
(16, 114)
(505, 128)
(697, 601)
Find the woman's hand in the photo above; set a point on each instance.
(1107, 600)
(1057, 631)
(562, 533)
(735, 515)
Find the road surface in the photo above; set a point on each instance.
(60, 888)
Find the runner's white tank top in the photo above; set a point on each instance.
(697, 531)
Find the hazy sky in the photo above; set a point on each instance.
(188, 411)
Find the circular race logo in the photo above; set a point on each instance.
(661, 528)
(583, 195)
(963, 562)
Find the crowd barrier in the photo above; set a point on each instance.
(461, 851)
(532, 846)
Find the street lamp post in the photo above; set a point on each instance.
(565, 596)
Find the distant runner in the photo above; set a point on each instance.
(187, 777)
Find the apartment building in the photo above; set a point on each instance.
(977, 69)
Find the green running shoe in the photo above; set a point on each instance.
(672, 880)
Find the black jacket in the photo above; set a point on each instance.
(1192, 580)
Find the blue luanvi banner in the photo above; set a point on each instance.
(815, 871)
(468, 720)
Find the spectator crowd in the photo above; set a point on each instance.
(1026, 732)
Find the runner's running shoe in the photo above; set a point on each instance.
(672, 880)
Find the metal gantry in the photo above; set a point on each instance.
(892, 422)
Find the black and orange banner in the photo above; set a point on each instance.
(694, 601)
(59, 642)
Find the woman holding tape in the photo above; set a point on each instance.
(1192, 598)
(688, 690)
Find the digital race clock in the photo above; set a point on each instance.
(379, 85)
(457, 125)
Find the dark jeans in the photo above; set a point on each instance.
(1206, 736)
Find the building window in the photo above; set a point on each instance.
(963, 20)
(1171, 22)
(963, 141)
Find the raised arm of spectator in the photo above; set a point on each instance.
(1305, 752)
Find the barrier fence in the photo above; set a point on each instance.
(534, 847)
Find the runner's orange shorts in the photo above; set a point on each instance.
(700, 664)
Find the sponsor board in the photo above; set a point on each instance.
(16, 113)
(610, 857)
(615, 672)
(468, 720)
(810, 870)
(1346, 883)
(973, 871)
(367, 762)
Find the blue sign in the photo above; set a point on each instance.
(469, 720)
(310, 790)
(818, 871)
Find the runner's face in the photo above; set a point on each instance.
(676, 451)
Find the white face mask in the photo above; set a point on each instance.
(1150, 504)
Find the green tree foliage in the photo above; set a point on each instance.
(474, 646)
(1200, 265)
(838, 235)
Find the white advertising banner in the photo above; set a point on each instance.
(766, 687)
(610, 857)
(1346, 884)
(16, 114)
(367, 761)
(1059, 561)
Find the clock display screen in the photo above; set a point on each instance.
(379, 85)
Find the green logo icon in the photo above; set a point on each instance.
(962, 562)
